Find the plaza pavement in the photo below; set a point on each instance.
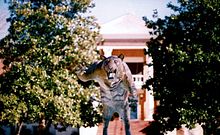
(116, 127)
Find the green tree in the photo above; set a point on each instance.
(47, 42)
(185, 48)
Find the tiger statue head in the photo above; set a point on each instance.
(113, 66)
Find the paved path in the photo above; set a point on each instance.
(116, 127)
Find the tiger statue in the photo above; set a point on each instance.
(116, 86)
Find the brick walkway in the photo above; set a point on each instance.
(116, 127)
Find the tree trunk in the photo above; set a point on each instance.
(47, 127)
(18, 128)
(41, 127)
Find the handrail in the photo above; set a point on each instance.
(138, 81)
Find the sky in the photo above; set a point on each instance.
(107, 10)
(4, 13)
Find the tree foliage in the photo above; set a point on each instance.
(186, 57)
(47, 42)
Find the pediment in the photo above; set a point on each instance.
(128, 24)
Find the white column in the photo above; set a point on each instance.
(149, 103)
(107, 51)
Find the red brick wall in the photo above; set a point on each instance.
(1, 66)
(129, 52)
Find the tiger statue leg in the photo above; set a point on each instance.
(123, 112)
(105, 126)
(107, 115)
